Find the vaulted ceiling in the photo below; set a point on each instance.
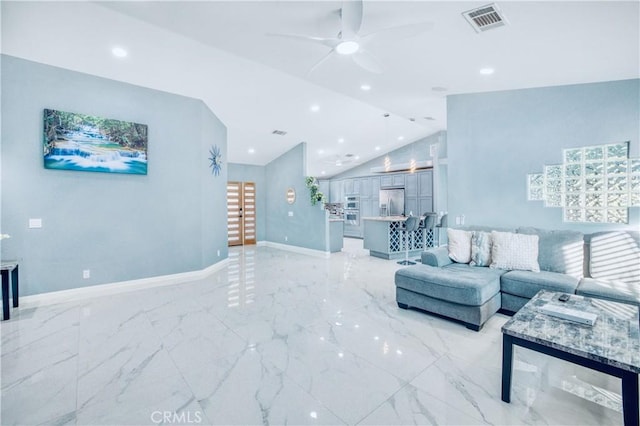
(222, 52)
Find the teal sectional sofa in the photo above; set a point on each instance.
(603, 265)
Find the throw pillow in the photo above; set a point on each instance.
(459, 245)
(514, 251)
(480, 248)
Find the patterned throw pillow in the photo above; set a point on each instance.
(459, 245)
(480, 248)
(514, 251)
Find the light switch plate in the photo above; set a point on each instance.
(35, 223)
(290, 214)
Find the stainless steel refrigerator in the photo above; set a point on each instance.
(391, 202)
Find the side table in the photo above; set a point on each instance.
(5, 268)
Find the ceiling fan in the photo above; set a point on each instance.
(349, 41)
(340, 160)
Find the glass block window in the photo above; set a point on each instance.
(594, 184)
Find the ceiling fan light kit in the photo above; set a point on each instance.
(347, 47)
(349, 42)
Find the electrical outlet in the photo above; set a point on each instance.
(86, 274)
(218, 253)
(286, 238)
(457, 220)
(35, 223)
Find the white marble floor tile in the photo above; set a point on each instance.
(413, 406)
(349, 385)
(381, 346)
(248, 389)
(277, 337)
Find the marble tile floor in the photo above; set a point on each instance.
(276, 337)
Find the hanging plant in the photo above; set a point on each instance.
(314, 191)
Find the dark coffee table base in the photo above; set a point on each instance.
(629, 378)
(13, 268)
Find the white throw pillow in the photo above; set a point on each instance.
(459, 245)
(514, 251)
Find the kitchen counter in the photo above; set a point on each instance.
(387, 218)
(336, 230)
(383, 237)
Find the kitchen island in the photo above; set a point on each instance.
(336, 230)
(383, 237)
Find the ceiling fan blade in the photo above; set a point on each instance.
(320, 62)
(367, 61)
(329, 42)
(398, 33)
(351, 13)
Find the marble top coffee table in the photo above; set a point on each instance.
(611, 345)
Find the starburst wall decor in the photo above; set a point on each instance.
(216, 160)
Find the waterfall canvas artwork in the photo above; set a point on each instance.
(94, 144)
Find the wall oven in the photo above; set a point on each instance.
(352, 217)
(352, 202)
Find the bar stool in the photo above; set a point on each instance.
(428, 225)
(410, 225)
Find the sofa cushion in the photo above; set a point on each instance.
(616, 291)
(437, 256)
(615, 256)
(559, 250)
(459, 245)
(480, 248)
(527, 283)
(514, 251)
(458, 283)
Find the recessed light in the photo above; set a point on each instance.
(486, 71)
(377, 148)
(315, 108)
(357, 157)
(321, 151)
(119, 52)
(365, 87)
(251, 150)
(400, 138)
(347, 47)
(323, 172)
(341, 140)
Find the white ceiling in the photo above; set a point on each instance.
(220, 52)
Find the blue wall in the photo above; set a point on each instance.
(121, 227)
(307, 227)
(495, 139)
(256, 174)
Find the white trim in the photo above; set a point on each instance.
(302, 250)
(82, 293)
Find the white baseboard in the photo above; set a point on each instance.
(82, 293)
(296, 249)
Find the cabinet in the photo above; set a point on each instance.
(325, 189)
(335, 191)
(392, 181)
(425, 205)
(425, 184)
(375, 186)
(347, 187)
(364, 186)
(411, 185)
